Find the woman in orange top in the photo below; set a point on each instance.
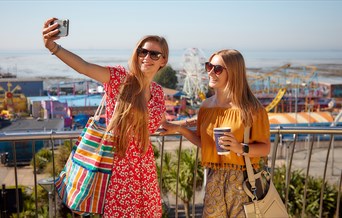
(233, 105)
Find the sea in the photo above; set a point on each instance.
(41, 64)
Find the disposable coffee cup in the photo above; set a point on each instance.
(218, 132)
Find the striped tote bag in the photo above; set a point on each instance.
(83, 182)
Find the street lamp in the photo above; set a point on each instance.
(48, 185)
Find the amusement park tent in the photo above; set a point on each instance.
(300, 118)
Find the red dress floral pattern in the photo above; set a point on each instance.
(133, 189)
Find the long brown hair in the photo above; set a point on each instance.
(130, 118)
(237, 87)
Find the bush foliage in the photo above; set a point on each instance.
(296, 193)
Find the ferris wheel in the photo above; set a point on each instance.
(196, 78)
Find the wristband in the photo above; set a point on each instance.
(245, 149)
(186, 123)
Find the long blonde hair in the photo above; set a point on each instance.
(237, 88)
(130, 118)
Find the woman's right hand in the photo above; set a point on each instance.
(50, 33)
(94, 71)
(170, 128)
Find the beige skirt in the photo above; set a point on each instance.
(224, 195)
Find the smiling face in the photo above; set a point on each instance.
(217, 81)
(149, 66)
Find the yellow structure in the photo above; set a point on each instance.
(12, 101)
(276, 100)
(201, 95)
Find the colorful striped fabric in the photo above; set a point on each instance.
(83, 182)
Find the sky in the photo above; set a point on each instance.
(253, 25)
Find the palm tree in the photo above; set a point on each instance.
(186, 178)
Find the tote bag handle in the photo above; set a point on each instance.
(249, 167)
(100, 108)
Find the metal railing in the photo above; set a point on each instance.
(312, 139)
(290, 139)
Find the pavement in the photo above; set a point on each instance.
(24, 173)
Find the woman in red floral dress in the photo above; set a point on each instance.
(133, 188)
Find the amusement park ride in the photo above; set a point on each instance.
(12, 102)
(276, 100)
(284, 89)
(295, 89)
(196, 78)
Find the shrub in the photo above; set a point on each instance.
(43, 157)
(296, 193)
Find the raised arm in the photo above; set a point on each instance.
(93, 71)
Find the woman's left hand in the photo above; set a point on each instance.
(229, 142)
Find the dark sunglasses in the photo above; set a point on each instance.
(154, 55)
(217, 68)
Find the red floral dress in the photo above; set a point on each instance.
(133, 188)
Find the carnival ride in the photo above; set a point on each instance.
(276, 100)
(196, 78)
(297, 87)
(267, 82)
(12, 101)
(282, 89)
(284, 76)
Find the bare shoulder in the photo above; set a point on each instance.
(207, 102)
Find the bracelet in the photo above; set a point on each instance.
(54, 46)
(186, 123)
(55, 49)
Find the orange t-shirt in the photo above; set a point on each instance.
(209, 118)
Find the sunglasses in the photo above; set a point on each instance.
(154, 55)
(217, 68)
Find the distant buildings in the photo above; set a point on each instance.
(30, 87)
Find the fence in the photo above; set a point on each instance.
(288, 141)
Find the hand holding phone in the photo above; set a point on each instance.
(63, 27)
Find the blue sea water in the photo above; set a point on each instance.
(39, 63)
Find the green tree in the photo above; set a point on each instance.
(166, 77)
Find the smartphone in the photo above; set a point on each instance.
(63, 27)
